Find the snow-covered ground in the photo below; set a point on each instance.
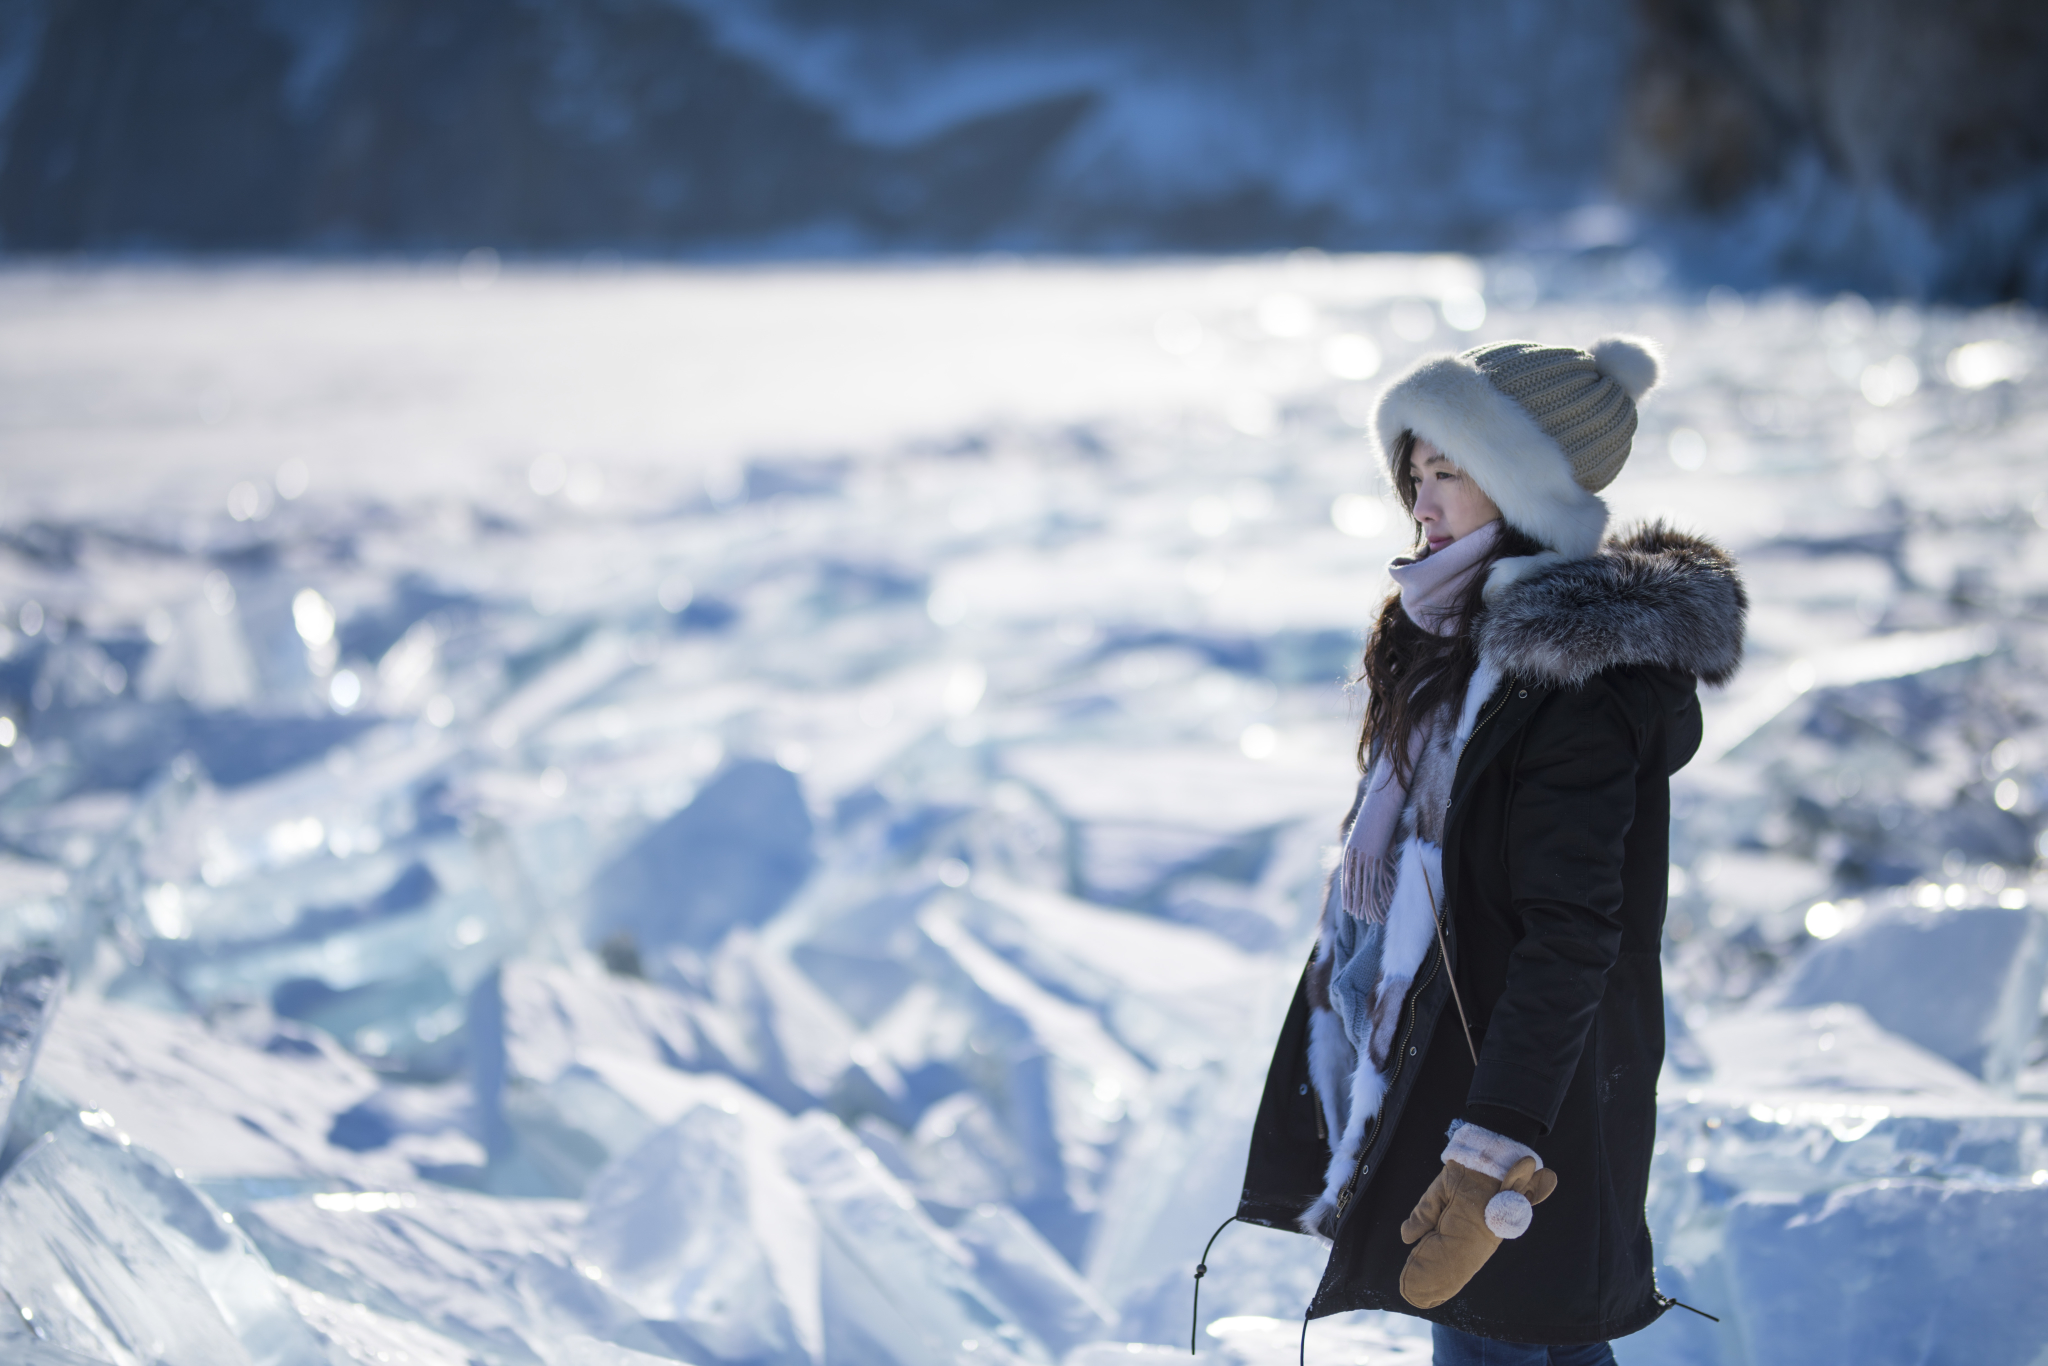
(601, 816)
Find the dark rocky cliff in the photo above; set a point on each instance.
(1893, 145)
(807, 125)
(1901, 143)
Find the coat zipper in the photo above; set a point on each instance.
(1414, 1002)
(1499, 707)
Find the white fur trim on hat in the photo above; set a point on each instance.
(1631, 362)
(1450, 403)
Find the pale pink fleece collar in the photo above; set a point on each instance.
(1432, 583)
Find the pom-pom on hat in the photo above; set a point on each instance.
(1541, 428)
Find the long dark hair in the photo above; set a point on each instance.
(1410, 673)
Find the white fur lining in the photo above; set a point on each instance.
(1332, 1063)
(1411, 929)
(1485, 678)
(1449, 402)
(1511, 570)
(1508, 1213)
(1347, 1084)
(1483, 1150)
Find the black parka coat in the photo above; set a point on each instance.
(1556, 862)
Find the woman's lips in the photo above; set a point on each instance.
(1439, 542)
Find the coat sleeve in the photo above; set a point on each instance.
(1573, 803)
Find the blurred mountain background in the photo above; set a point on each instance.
(1892, 146)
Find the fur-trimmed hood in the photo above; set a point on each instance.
(1651, 596)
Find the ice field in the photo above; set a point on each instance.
(605, 815)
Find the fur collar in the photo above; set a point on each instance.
(1651, 596)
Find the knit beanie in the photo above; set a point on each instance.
(1541, 429)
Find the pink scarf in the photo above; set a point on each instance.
(1430, 588)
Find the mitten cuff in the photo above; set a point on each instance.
(1483, 1150)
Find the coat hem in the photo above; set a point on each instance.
(1273, 1211)
(1532, 1334)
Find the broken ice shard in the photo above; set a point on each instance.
(731, 857)
(572, 1069)
(232, 1115)
(501, 1277)
(1783, 1193)
(1965, 984)
(896, 1286)
(702, 1228)
(111, 1255)
(1033, 1281)
(1853, 1274)
(30, 987)
(38, 1354)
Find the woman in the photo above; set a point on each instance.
(1480, 1027)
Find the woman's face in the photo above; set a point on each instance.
(1448, 504)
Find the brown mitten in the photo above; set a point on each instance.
(1467, 1211)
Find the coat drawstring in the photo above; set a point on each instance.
(1437, 917)
(1670, 1303)
(1303, 1358)
(1201, 1270)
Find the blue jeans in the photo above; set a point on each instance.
(1453, 1348)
